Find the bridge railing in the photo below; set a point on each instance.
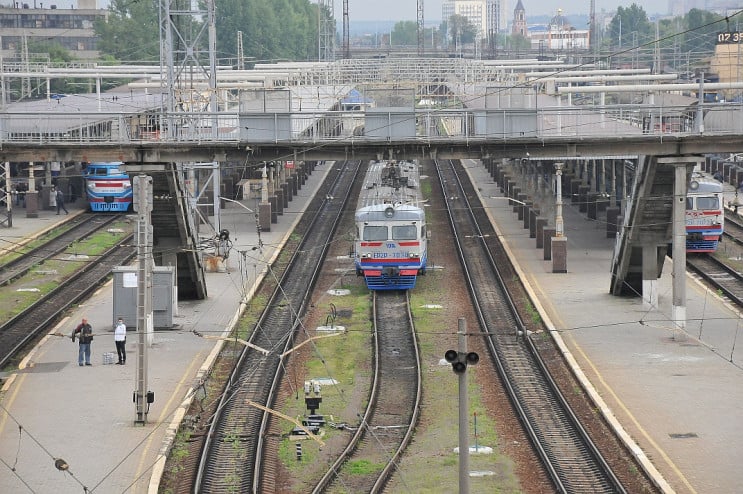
(387, 124)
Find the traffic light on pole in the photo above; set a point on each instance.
(460, 360)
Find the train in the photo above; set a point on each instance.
(705, 215)
(108, 188)
(390, 245)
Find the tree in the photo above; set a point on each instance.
(626, 21)
(405, 33)
(461, 30)
(131, 32)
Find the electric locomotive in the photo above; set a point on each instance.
(705, 217)
(107, 187)
(390, 245)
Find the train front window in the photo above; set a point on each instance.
(704, 203)
(404, 232)
(375, 233)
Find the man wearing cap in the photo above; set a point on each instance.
(85, 331)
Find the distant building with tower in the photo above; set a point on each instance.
(560, 36)
(519, 20)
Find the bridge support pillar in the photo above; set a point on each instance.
(274, 206)
(518, 207)
(591, 205)
(649, 276)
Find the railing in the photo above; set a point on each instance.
(388, 125)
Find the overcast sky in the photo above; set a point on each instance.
(407, 10)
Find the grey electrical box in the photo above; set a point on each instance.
(125, 295)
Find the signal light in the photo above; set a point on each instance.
(460, 360)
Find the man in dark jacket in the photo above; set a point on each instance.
(85, 331)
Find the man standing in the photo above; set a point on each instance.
(60, 201)
(86, 337)
(120, 340)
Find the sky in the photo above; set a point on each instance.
(407, 10)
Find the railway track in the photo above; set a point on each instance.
(393, 407)
(232, 456)
(719, 275)
(77, 228)
(17, 332)
(567, 452)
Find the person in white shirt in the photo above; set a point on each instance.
(120, 340)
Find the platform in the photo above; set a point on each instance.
(53, 409)
(677, 394)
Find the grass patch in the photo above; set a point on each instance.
(48, 276)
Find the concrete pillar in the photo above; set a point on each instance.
(612, 222)
(264, 216)
(280, 201)
(519, 206)
(274, 215)
(523, 212)
(591, 207)
(541, 223)
(574, 189)
(649, 276)
(547, 235)
(533, 214)
(284, 189)
(559, 254)
(583, 198)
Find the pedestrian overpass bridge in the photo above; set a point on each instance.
(413, 110)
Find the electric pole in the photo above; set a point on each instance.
(143, 206)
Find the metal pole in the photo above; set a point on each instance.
(8, 196)
(143, 191)
(678, 310)
(464, 449)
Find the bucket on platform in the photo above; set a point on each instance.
(108, 358)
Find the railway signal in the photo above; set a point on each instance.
(460, 360)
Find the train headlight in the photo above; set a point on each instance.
(389, 212)
(414, 254)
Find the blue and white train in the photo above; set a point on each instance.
(108, 188)
(705, 217)
(391, 237)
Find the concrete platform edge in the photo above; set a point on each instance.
(655, 476)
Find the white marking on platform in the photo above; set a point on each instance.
(77, 256)
(325, 381)
(479, 450)
(339, 291)
(27, 290)
(331, 329)
(432, 306)
(481, 473)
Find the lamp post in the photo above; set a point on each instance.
(559, 230)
